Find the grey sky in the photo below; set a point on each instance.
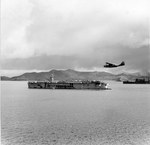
(77, 34)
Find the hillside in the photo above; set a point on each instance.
(71, 75)
(5, 78)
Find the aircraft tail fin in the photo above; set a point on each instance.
(122, 63)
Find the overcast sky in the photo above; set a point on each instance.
(77, 34)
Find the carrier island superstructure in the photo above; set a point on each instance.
(78, 84)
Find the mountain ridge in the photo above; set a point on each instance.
(71, 74)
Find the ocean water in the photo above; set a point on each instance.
(120, 116)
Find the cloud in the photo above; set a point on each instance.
(136, 59)
(15, 19)
(42, 62)
(74, 28)
(39, 34)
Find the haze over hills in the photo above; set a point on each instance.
(72, 75)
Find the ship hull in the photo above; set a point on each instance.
(127, 82)
(80, 85)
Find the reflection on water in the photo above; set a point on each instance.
(120, 116)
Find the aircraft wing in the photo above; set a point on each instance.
(109, 63)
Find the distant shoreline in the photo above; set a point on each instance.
(73, 75)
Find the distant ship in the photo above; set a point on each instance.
(145, 80)
(51, 84)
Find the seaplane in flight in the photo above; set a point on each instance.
(111, 65)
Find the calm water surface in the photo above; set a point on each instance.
(120, 116)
